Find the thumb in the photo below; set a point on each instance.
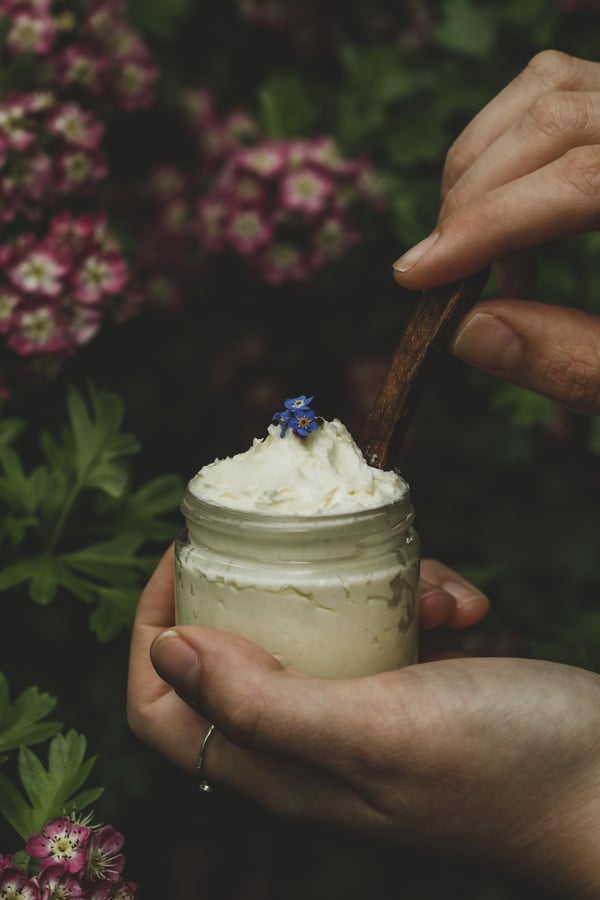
(256, 703)
(552, 350)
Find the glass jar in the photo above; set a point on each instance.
(334, 596)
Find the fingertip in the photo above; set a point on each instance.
(469, 611)
(436, 607)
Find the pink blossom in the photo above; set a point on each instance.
(61, 842)
(105, 862)
(71, 235)
(55, 884)
(82, 323)
(285, 204)
(212, 214)
(9, 301)
(17, 885)
(77, 170)
(82, 68)
(99, 892)
(306, 190)
(265, 160)
(134, 82)
(13, 124)
(247, 230)
(98, 275)
(75, 125)
(331, 239)
(240, 126)
(199, 106)
(249, 190)
(6, 862)
(38, 330)
(31, 34)
(39, 272)
(280, 262)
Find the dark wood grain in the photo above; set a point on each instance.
(430, 328)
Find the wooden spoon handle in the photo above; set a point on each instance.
(434, 321)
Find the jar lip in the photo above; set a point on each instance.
(195, 509)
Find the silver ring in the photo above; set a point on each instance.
(203, 784)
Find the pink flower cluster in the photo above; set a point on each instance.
(217, 135)
(285, 205)
(48, 151)
(164, 213)
(55, 290)
(89, 47)
(75, 862)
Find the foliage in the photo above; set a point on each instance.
(49, 790)
(74, 522)
(504, 482)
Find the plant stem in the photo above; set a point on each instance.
(63, 516)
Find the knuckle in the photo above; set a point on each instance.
(556, 113)
(458, 159)
(452, 201)
(552, 67)
(579, 168)
(578, 373)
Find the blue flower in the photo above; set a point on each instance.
(283, 420)
(298, 416)
(298, 403)
(304, 422)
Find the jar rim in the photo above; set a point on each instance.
(197, 510)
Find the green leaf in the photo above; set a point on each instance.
(15, 574)
(158, 18)
(16, 486)
(49, 790)
(14, 808)
(115, 611)
(140, 512)
(20, 721)
(98, 443)
(10, 429)
(112, 561)
(466, 28)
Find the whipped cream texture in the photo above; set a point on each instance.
(323, 473)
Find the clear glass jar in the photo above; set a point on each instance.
(334, 596)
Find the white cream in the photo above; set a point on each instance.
(301, 547)
(324, 473)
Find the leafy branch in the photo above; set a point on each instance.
(51, 789)
(74, 523)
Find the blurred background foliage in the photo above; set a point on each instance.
(200, 347)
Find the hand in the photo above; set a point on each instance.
(496, 759)
(525, 171)
(162, 719)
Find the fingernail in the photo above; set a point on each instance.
(462, 594)
(412, 256)
(487, 341)
(176, 661)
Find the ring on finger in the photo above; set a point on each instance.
(203, 784)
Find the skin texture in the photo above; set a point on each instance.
(525, 171)
(490, 759)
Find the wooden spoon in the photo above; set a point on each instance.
(434, 321)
